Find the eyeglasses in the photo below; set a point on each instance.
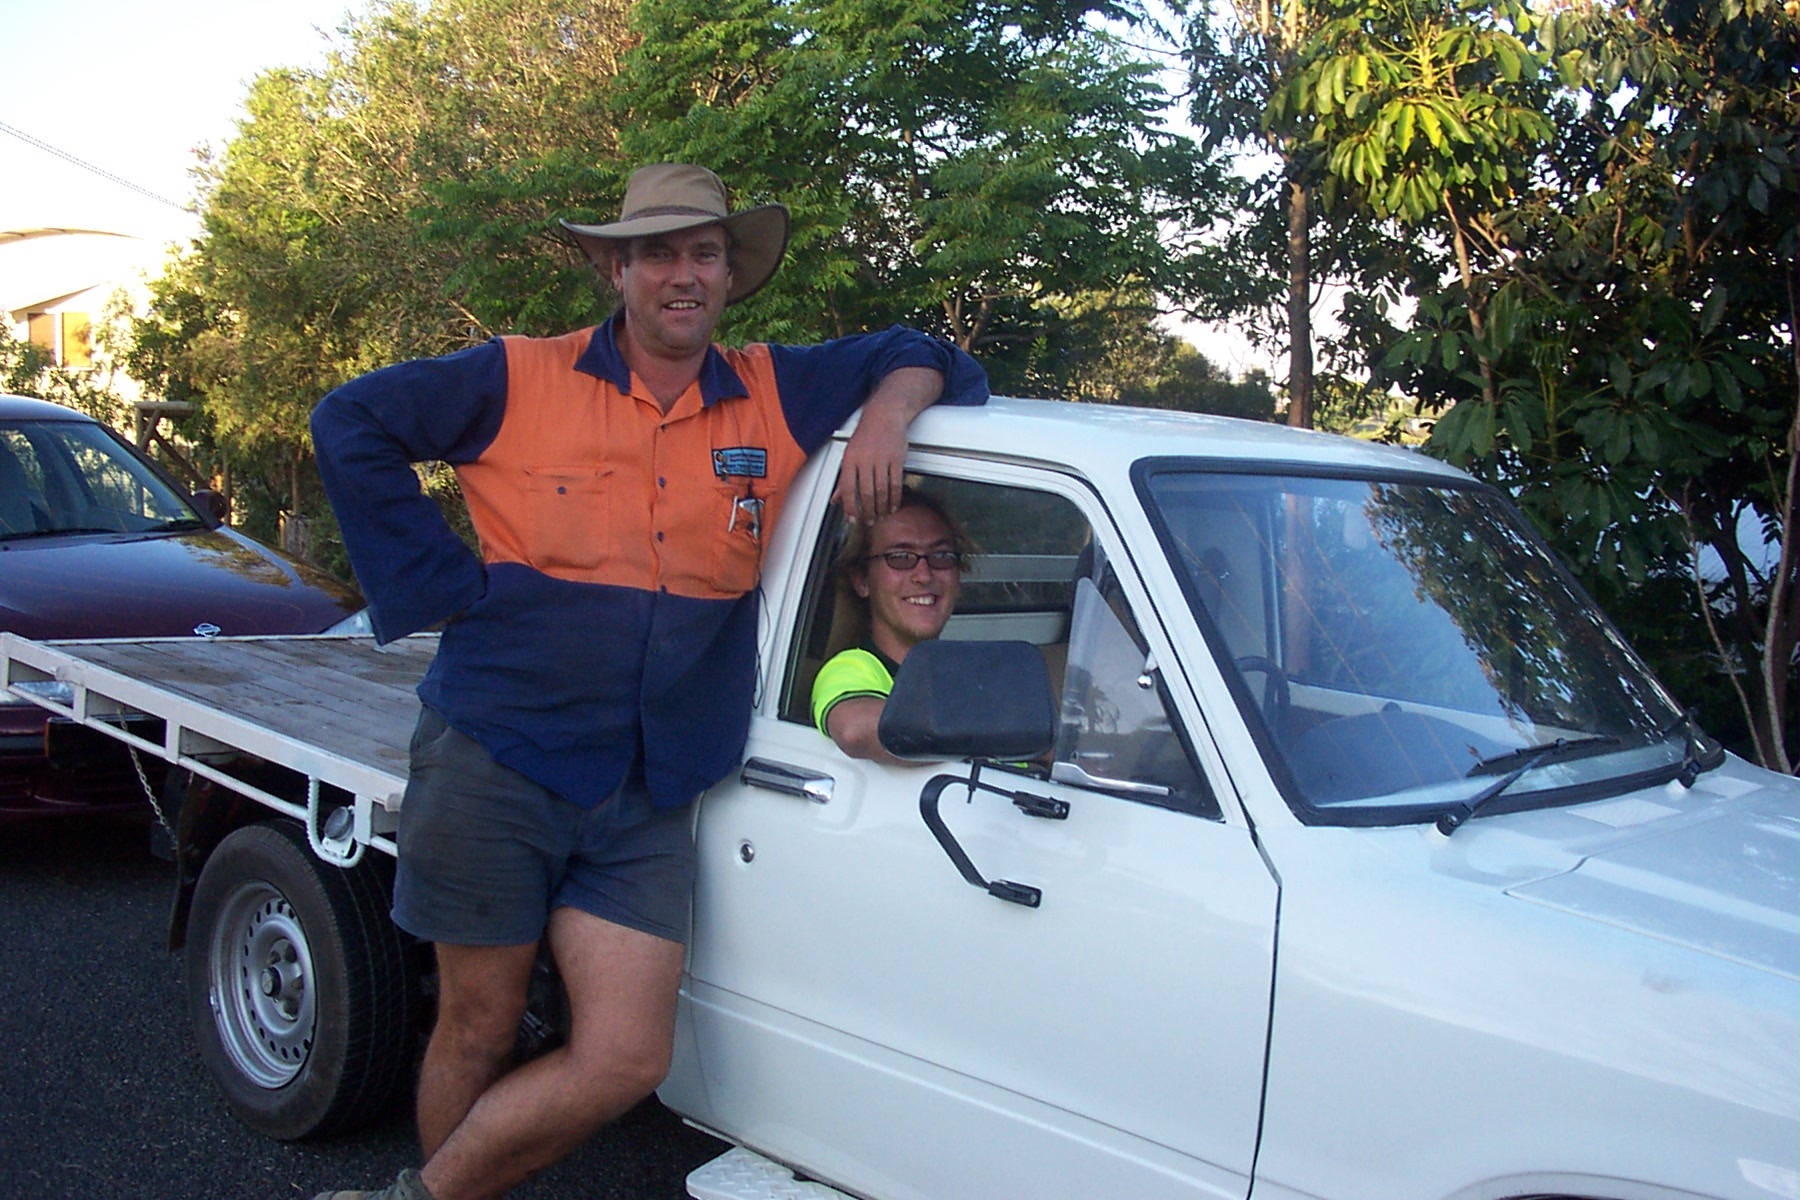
(906, 560)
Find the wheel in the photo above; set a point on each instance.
(298, 984)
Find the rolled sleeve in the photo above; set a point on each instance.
(412, 567)
(822, 385)
(848, 675)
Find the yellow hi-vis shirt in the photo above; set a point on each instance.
(846, 675)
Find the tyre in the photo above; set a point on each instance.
(301, 994)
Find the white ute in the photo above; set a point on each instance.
(1294, 827)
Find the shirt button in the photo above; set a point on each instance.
(562, 491)
(659, 535)
(661, 482)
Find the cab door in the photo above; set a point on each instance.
(855, 1008)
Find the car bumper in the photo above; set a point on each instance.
(65, 769)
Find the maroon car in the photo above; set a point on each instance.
(95, 541)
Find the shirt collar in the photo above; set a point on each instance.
(602, 360)
(893, 668)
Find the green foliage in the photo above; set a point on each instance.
(1420, 104)
(1147, 368)
(1569, 230)
(27, 369)
(1262, 268)
(336, 232)
(1633, 380)
(990, 170)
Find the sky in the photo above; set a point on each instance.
(132, 87)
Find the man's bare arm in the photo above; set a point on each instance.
(853, 724)
(869, 482)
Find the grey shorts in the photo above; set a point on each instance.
(486, 854)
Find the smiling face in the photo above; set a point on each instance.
(911, 606)
(674, 287)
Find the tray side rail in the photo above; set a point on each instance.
(205, 739)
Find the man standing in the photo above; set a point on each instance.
(597, 667)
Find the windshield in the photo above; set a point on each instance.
(1397, 644)
(62, 477)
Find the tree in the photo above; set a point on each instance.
(318, 261)
(27, 369)
(991, 170)
(1613, 190)
(1428, 113)
(1263, 270)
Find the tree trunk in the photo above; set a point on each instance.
(1300, 351)
(1779, 634)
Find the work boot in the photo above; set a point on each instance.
(408, 1187)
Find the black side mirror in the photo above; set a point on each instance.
(979, 700)
(970, 700)
(213, 504)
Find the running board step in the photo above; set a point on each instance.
(739, 1174)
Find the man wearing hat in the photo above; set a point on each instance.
(596, 667)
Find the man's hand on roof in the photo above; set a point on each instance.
(874, 465)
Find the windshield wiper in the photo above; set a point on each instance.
(1534, 756)
(58, 532)
(1560, 748)
(177, 525)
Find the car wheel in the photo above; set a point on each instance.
(298, 984)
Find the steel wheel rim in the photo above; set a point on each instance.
(261, 991)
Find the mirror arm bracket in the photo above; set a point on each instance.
(1036, 806)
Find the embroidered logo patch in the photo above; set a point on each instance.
(752, 461)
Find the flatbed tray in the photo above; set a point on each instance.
(337, 710)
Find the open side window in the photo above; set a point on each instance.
(1019, 586)
(1037, 575)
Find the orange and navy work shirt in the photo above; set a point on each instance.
(610, 620)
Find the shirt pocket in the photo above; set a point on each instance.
(737, 551)
(567, 511)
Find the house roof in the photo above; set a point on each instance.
(42, 266)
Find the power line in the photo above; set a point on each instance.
(88, 166)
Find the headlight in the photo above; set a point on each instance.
(53, 690)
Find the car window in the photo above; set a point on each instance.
(1114, 729)
(1028, 546)
(1036, 575)
(71, 476)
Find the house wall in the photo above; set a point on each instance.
(56, 285)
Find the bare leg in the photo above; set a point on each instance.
(622, 985)
(481, 997)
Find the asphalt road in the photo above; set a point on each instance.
(103, 1096)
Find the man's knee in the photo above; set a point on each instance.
(635, 1070)
(482, 996)
(484, 1031)
(645, 1069)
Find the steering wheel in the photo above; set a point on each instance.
(1277, 699)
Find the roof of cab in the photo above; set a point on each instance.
(1105, 438)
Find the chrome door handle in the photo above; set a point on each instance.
(789, 781)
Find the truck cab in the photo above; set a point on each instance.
(1368, 859)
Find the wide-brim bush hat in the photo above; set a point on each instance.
(665, 197)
